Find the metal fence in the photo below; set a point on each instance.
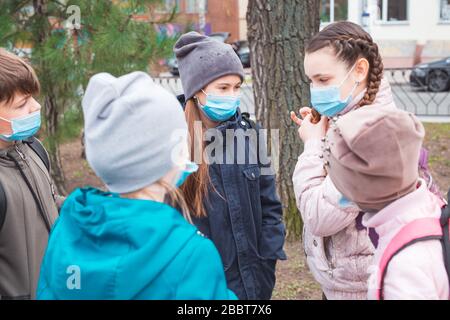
(413, 91)
(424, 92)
(173, 84)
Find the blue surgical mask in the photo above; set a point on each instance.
(327, 101)
(191, 167)
(220, 108)
(23, 127)
(346, 203)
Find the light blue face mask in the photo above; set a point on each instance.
(346, 203)
(220, 108)
(191, 167)
(23, 127)
(327, 101)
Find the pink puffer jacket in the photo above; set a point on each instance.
(338, 248)
(418, 271)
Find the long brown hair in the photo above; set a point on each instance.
(350, 42)
(195, 189)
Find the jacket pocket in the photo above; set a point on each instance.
(315, 250)
(252, 176)
(250, 201)
(252, 173)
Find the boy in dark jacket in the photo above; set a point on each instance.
(27, 198)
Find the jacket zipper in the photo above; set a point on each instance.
(22, 156)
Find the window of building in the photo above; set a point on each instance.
(333, 10)
(445, 11)
(193, 6)
(392, 10)
(167, 6)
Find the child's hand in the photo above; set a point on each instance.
(309, 130)
(303, 113)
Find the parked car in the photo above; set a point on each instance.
(243, 51)
(240, 47)
(220, 36)
(172, 64)
(434, 76)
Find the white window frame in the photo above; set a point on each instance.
(331, 14)
(384, 14)
(441, 21)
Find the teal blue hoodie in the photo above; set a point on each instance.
(107, 247)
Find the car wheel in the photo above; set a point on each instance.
(438, 81)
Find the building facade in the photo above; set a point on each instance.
(407, 31)
(208, 16)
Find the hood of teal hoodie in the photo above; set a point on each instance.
(100, 236)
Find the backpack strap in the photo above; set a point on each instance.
(415, 231)
(39, 149)
(3, 206)
(445, 224)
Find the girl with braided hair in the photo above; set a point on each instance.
(345, 70)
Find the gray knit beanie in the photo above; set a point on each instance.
(202, 60)
(130, 130)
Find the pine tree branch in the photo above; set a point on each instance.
(122, 27)
(167, 20)
(65, 6)
(21, 5)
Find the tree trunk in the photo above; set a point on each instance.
(277, 34)
(51, 114)
(50, 105)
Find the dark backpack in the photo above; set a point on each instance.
(38, 148)
(416, 231)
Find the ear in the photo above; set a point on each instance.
(200, 97)
(361, 69)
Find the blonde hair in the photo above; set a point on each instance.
(176, 200)
(172, 197)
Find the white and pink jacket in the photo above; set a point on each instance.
(418, 271)
(338, 248)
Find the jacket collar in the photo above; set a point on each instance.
(10, 150)
(415, 205)
(383, 97)
(232, 122)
